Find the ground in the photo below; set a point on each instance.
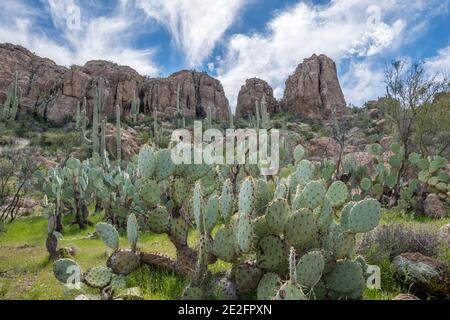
(26, 272)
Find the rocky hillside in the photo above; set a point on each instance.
(53, 91)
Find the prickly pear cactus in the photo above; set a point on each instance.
(277, 214)
(337, 194)
(109, 235)
(268, 286)
(310, 269)
(364, 216)
(98, 277)
(291, 289)
(226, 200)
(64, 269)
(244, 233)
(224, 245)
(132, 231)
(247, 197)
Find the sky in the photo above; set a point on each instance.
(234, 40)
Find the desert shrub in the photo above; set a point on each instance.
(389, 241)
(17, 168)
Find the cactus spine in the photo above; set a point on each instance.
(11, 105)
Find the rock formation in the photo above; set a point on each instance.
(314, 89)
(198, 91)
(254, 90)
(53, 91)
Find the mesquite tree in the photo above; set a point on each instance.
(409, 89)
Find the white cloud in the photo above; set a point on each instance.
(196, 25)
(342, 29)
(106, 38)
(439, 63)
(362, 82)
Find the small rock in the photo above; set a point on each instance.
(374, 113)
(444, 234)
(386, 141)
(381, 125)
(425, 276)
(404, 296)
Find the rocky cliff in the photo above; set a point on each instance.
(53, 91)
(314, 89)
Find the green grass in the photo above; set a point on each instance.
(26, 272)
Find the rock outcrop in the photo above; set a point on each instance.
(53, 91)
(198, 92)
(254, 90)
(314, 90)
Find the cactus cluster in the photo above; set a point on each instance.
(304, 220)
(261, 118)
(97, 140)
(385, 178)
(300, 228)
(109, 279)
(432, 175)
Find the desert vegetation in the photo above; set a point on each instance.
(93, 207)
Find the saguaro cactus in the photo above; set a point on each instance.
(97, 142)
(134, 109)
(180, 121)
(11, 105)
(118, 135)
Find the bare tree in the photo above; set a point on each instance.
(17, 168)
(340, 131)
(409, 89)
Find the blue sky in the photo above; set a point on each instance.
(237, 39)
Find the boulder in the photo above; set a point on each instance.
(386, 141)
(324, 147)
(425, 276)
(254, 91)
(405, 297)
(444, 234)
(314, 90)
(434, 207)
(381, 125)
